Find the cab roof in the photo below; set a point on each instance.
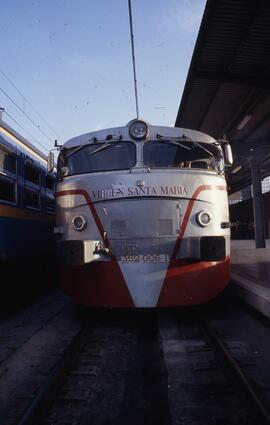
(123, 132)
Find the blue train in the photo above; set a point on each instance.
(27, 206)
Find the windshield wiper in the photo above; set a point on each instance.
(110, 142)
(90, 142)
(106, 145)
(203, 148)
(184, 137)
(81, 147)
(173, 142)
(197, 144)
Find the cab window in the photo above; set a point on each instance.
(97, 157)
(169, 154)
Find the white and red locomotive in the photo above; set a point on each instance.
(142, 217)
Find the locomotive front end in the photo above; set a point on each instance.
(142, 217)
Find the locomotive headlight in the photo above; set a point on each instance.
(79, 222)
(138, 130)
(203, 218)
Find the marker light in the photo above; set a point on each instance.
(79, 222)
(138, 130)
(203, 218)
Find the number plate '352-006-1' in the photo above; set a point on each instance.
(145, 258)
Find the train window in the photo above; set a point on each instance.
(7, 189)
(8, 170)
(168, 155)
(32, 198)
(50, 182)
(49, 198)
(8, 162)
(31, 173)
(94, 158)
(50, 202)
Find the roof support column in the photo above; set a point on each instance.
(258, 210)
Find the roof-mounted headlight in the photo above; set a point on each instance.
(138, 130)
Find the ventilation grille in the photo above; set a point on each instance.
(118, 228)
(165, 227)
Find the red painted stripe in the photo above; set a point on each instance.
(194, 283)
(119, 284)
(187, 215)
(92, 209)
(166, 287)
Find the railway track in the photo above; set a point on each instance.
(240, 337)
(224, 352)
(114, 373)
(186, 367)
(233, 340)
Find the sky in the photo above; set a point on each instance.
(67, 64)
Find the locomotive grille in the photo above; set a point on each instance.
(118, 228)
(165, 227)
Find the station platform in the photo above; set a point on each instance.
(250, 273)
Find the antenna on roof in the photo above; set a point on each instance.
(133, 56)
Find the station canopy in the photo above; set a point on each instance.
(227, 91)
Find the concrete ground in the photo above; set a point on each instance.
(250, 273)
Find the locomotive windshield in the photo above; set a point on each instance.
(97, 157)
(174, 154)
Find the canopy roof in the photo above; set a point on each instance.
(227, 91)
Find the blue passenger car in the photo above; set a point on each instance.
(27, 205)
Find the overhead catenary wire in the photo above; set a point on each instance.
(29, 103)
(26, 131)
(26, 115)
(133, 57)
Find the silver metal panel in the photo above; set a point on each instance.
(165, 196)
(165, 227)
(118, 228)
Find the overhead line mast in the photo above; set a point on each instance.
(133, 56)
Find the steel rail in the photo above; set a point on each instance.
(228, 359)
(47, 391)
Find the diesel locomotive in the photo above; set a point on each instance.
(142, 216)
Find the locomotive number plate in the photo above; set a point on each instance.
(145, 258)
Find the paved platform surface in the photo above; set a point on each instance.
(251, 273)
